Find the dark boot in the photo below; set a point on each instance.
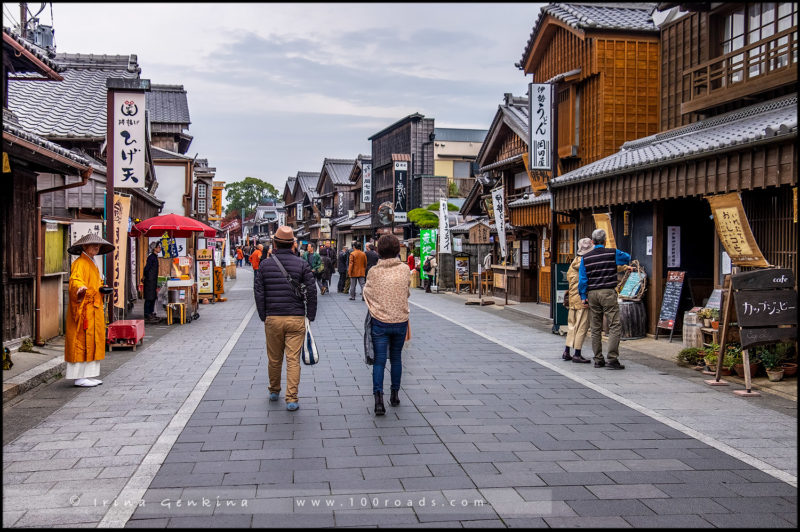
(565, 355)
(379, 408)
(394, 400)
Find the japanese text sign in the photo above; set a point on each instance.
(122, 208)
(500, 218)
(766, 306)
(734, 230)
(540, 126)
(129, 139)
(445, 242)
(427, 245)
(366, 183)
(400, 190)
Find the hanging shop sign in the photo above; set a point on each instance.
(129, 139)
(603, 221)
(500, 218)
(734, 231)
(479, 234)
(366, 183)
(400, 204)
(540, 102)
(673, 246)
(766, 306)
(122, 209)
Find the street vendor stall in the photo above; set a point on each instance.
(182, 291)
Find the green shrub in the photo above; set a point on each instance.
(769, 357)
(689, 356)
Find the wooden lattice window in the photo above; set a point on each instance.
(566, 243)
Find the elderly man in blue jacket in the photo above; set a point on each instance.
(281, 306)
(597, 280)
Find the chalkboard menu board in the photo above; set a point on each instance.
(672, 300)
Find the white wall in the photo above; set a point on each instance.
(171, 188)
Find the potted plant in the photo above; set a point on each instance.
(728, 362)
(737, 358)
(715, 318)
(789, 367)
(689, 356)
(705, 315)
(772, 363)
(710, 356)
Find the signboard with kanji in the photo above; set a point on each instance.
(734, 230)
(129, 139)
(541, 126)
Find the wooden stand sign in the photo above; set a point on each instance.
(671, 302)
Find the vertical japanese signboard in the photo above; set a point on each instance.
(400, 191)
(734, 230)
(500, 218)
(603, 221)
(673, 246)
(541, 126)
(445, 242)
(122, 208)
(78, 230)
(129, 139)
(366, 183)
(427, 245)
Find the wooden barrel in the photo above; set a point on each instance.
(633, 320)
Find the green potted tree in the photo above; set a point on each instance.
(689, 356)
(789, 365)
(710, 357)
(737, 358)
(772, 362)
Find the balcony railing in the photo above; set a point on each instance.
(757, 67)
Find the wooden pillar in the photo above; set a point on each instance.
(657, 275)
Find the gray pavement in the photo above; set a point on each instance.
(493, 430)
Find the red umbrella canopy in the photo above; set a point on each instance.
(176, 225)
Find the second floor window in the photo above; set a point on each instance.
(201, 206)
(201, 191)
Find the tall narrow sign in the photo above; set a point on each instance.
(540, 126)
(500, 218)
(734, 230)
(129, 139)
(603, 221)
(366, 183)
(400, 191)
(445, 242)
(427, 245)
(122, 208)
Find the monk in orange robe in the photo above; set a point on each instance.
(85, 342)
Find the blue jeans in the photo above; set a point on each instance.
(387, 337)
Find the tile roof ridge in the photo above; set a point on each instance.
(93, 61)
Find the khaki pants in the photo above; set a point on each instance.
(285, 333)
(577, 327)
(604, 302)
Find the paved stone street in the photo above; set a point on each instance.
(493, 429)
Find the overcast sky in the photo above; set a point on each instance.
(273, 89)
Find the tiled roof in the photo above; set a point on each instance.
(17, 131)
(37, 52)
(513, 112)
(466, 226)
(161, 153)
(776, 118)
(168, 104)
(362, 222)
(307, 182)
(460, 135)
(532, 200)
(339, 170)
(598, 16)
(75, 107)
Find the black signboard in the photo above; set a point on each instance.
(766, 306)
(671, 301)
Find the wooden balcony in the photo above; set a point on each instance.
(755, 68)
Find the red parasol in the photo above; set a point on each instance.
(177, 226)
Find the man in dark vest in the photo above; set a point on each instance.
(597, 280)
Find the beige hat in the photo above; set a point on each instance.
(77, 247)
(584, 246)
(284, 234)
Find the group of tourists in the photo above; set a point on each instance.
(592, 295)
(285, 291)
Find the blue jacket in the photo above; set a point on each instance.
(622, 259)
(273, 293)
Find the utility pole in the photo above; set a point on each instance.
(23, 20)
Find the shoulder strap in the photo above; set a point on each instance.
(299, 288)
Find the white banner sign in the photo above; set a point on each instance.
(541, 126)
(500, 218)
(129, 139)
(445, 242)
(366, 183)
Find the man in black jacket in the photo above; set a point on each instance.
(150, 282)
(372, 257)
(342, 263)
(283, 312)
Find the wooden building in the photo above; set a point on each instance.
(289, 204)
(728, 106)
(354, 208)
(305, 209)
(335, 198)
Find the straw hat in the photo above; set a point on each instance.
(77, 247)
(584, 246)
(284, 234)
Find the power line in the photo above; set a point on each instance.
(9, 15)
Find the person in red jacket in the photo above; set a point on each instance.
(255, 258)
(411, 262)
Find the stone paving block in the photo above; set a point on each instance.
(774, 505)
(746, 520)
(655, 464)
(586, 522)
(396, 472)
(186, 480)
(587, 466)
(293, 520)
(368, 450)
(421, 459)
(503, 480)
(609, 507)
(575, 479)
(439, 482)
(63, 474)
(148, 523)
(390, 517)
(668, 521)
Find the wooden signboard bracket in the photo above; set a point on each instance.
(726, 319)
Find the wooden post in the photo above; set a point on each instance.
(726, 318)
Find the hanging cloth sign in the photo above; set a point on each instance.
(603, 221)
(500, 218)
(445, 241)
(122, 208)
(734, 230)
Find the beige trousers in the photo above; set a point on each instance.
(285, 334)
(577, 327)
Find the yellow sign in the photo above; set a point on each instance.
(603, 221)
(204, 254)
(216, 204)
(6, 164)
(734, 231)
(122, 208)
(537, 181)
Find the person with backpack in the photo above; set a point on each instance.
(281, 306)
(315, 263)
(429, 267)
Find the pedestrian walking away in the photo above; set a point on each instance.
(386, 293)
(239, 256)
(597, 280)
(372, 257)
(578, 318)
(150, 283)
(85, 337)
(327, 270)
(315, 263)
(342, 262)
(357, 269)
(282, 309)
(255, 257)
(429, 267)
